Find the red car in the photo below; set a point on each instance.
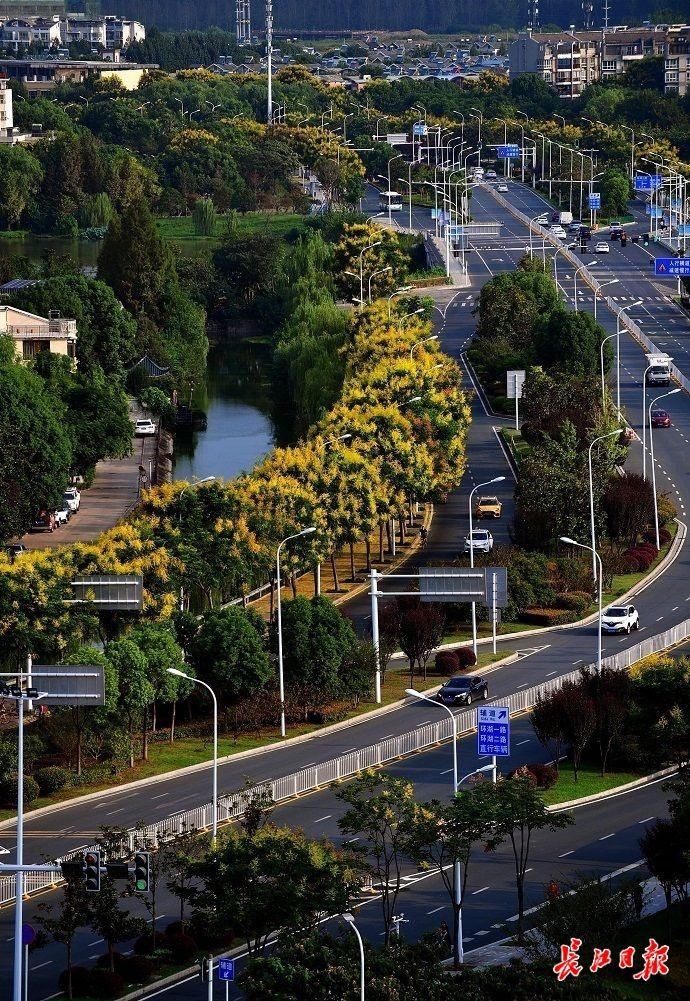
(660, 419)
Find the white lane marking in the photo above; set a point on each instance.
(48, 962)
(607, 836)
(646, 820)
(160, 795)
(351, 840)
(577, 661)
(435, 910)
(660, 618)
(475, 892)
(529, 870)
(481, 933)
(327, 817)
(523, 686)
(675, 609)
(521, 742)
(110, 814)
(550, 674)
(97, 942)
(447, 771)
(567, 853)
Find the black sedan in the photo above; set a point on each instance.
(463, 690)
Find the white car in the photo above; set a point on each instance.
(491, 175)
(482, 541)
(502, 188)
(602, 248)
(558, 231)
(144, 427)
(620, 619)
(543, 219)
(62, 515)
(71, 499)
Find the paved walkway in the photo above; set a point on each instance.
(112, 493)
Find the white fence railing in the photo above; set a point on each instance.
(309, 779)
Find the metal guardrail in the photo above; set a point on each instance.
(310, 779)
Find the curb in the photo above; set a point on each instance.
(572, 804)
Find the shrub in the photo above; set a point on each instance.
(105, 984)
(544, 776)
(149, 942)
(575, 601)
(664, 536)
(183, 947)
(80, 980)
(666, 509)
(103, 960)
(136, 969)
(446, 663)
(466, 657)
(8, 790)
(52, 779)
(547, 616)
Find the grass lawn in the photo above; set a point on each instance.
(588, 783)
(13, 234)
(517, 447)
(677, 983)
(277, 223)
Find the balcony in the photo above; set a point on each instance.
(52, 330)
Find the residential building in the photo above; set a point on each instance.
(107, 32)
(42, 75)
(17, 35)
(677, 62)
(32, 334)
(6, 117)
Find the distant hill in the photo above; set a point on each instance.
(398, 15)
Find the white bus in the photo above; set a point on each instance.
(390, 201)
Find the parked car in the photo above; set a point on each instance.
(14, 549)
(488, 507)
(62, 515)
(44, 522)
(620, 619)
(661, 419)
(503, 188)
(602, 248)
(144, 427)
(72, 499)
(482, 541)
(463, 690)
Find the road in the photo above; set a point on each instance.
(74, 825)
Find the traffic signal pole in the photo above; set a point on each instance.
(19, 875)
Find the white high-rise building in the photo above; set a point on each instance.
(6, 119)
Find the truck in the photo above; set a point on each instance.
(658, 370)
(565, 218)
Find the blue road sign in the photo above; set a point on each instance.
(419, 129)
(226, 969)
(672, 267)
(684, 229)
(493, 731)
(595, 200)
(510, 152)
(647, 182)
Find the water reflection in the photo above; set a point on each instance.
(235, 399)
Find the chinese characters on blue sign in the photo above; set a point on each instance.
(511, 152)
(672, 267)
(647, 182)
(493, 731)
(226, 969)
(595, 200)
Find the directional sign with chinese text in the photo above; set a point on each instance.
(226, 969)
(647, 182)
(594, 200)
(493, 731)
(419, 129)
(510, 152)
(672, 267)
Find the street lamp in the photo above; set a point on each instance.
(413, 399)
(577, 272)
(332, 441)
(644, 416)
(349, 918)
(361, 270)
(198, 681)
(595, 554)
(281, 682)
(424, 340)
(484, 768)
(414, 312)
(398, 156)
(615, 334)
(381, 271)
(601, 437)
(613, 281)
(398, 291)
(496, 479)
(651, 456)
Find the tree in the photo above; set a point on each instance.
(245, 886)
(615, 191)
(136, 693)
(62, 920)
(629, 506)
(35, 447)
(381, 809)
(579, 719)
(157, 642)
(20, 179)
(610, 692)
(548, 723)
(228, 653)
(645, 74)
(421, 629)
(446, 835)
(664, 846)
(358, 672)
(250, 265)
(571, 343)
(517, 811)
(317, 640)
(109, 921)
(204, 217)
(185, 850)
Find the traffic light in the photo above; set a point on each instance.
(142, 872)
(72, 870)
(118, 869)
(93, 871)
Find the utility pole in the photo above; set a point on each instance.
(243, 22)
(269, 62)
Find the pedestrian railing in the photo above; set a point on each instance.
(232, 805)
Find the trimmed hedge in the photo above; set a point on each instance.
(183, 947)
(574, 601)
(547, 616)
(136, 969)
(544, 776)
(80, 980)
(8, 790)
(446, 663)
(52, 779)
(466, 657)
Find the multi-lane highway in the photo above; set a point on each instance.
(597, 841)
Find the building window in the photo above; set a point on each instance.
(32, 348)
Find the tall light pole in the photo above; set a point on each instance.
(601, 437)
(577, 272)
(651, 451)
(424, 340)
(397, 156)
(281, 680)
(496, 479)
(198, 681)
(398, 291)
(616, 334)
(361, 270)
(613, 281)
(595, 556)
(347, 916)
(373, 274)
(269, 59)
(457, 882)
(408, 315)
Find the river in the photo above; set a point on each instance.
(235, 399)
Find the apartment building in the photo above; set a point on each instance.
(107, 33)
(6, 117)
(570, 60)
(32, 334)
(677, 62)
(18, 34)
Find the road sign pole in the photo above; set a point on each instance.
(210, 978)
(493, 768)
(26, 973)
(375, 629)
(517, 413)
(493, 602)
(19, 876)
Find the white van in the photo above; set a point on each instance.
(565, 218)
